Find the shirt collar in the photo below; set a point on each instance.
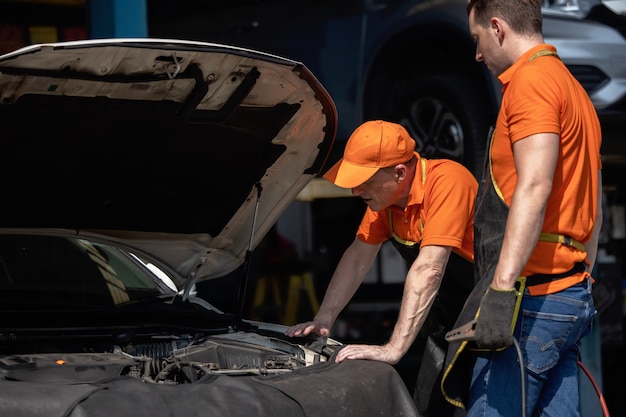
(416, 195)
(506, 76)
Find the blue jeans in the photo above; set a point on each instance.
(549, 329)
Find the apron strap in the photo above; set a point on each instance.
(563, 239)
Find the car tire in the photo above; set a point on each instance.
(446, 115)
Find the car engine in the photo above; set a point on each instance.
(177, 360)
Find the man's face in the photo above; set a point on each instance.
(488, 48)
(381, 190)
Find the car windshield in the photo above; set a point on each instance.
(70, 272)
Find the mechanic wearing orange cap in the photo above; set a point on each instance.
(425, 208)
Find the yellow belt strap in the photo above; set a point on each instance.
(565, 240)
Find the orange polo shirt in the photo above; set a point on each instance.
(439, 210)
(541, 96)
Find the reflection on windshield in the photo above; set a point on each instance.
(115, 286)
(68, 271)
(157, 272)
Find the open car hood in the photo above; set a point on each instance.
(186, 151)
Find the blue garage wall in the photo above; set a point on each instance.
(118, 19)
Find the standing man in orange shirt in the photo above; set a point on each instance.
(425, 208)
(537, 219)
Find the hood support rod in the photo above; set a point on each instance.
(248, 260)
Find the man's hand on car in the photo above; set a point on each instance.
(307, 328)
(383, 353)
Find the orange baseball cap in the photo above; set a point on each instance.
(373, 145)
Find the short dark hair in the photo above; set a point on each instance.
(524, 16)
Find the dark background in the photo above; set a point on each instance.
(371, 315)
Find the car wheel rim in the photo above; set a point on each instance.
(436, 129)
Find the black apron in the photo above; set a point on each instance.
(456, 285)
(490, 214)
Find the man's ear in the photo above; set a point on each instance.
(401, 171)
(497, 26)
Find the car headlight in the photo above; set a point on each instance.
(616, 6)
(571, 8)
(580, 8)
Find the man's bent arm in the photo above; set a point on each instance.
(535, 163)
(420, 290)
(592, 245)
(346, 279)
(348, 275)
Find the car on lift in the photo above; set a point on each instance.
(132, 171)
(410, 61)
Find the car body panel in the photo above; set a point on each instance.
(188, 150)
(590, 43)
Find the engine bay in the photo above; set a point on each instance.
(172, 360)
